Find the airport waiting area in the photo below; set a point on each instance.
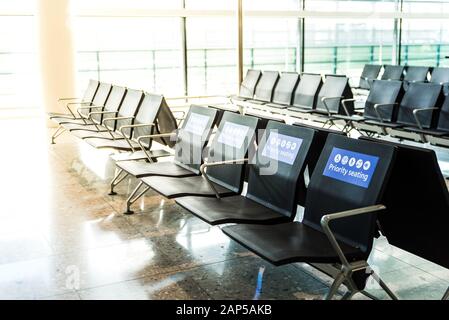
(301, 184)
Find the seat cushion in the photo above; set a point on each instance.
(61, 120)
(105, 135)
(275, 105)
(256, 101)
(288, 242)
(238, 98)
(384, 124)
(431, 132)
(140, 169)
(234, 209)
(139, 155)
(120, 144)
(180, 187)
(78, 126)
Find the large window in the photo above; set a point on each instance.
(346, 45)
(139, 52)
(211, 48)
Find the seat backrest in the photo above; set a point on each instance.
(285, 88)
(148, 111)
(274, 172)
(166, 122)
(393, 72)
(113, 103)
(335, 86)
(384, 92)
(265, 86)
(91, 90)
(421, 96)
(234, 137)
(350, 174)
(248, 85)
(263, 118)
(128, 108)
(417, 201)
(306, 92)
(439, 75)
(100, 98)
(370, 72)
(193, 137)
(416, 74)
(443, 118)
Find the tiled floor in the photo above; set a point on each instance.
(63, 237)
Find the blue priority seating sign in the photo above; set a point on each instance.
(282, 148)
(351, 167)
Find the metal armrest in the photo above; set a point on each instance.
(113, 119)
(75, 103)
(122, 131)
(345, 108)
(214, 164)
(415, 115)
(89, 116)
(382, 105)
(67, 99)
(151, 136)
(87, 108)
(324, 99)
(344, 214)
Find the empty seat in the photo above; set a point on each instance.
(283, 93)
(265, 87)
(349, 177)
(393, 72)
(86, 100)
(306, 92)
(273, 180)
(334, 90)
(98, 103)
(440, 75)
(190, 141)
(235, 136)
(248, 85)
(95, 118)
(370, 72)
(381, 105)
(416, 74)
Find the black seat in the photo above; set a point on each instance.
(235, 136)
(273, 180)
(393, 72)
(440, 75)
(381, 105)
(263, 117)
(86, 100)
(190, 142)
(248, 85)
(283, 93)
(417, 200)
(416, 74)
(330, 191)
(265, 87)
(370, 73)
(316, 148)
(306, 92)
(101, 95)
(95, 118)
(427, 97)
(334, 90)
(142, 124)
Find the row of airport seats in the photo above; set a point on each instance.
(407, 74)
(110, 116)
(351, 189)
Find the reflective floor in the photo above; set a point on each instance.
(63, 237)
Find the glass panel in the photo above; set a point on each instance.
(128, 4)
(351, 5)
(425, 6)
(211, 5)
(212, 57)
(344, 46)
(425, 42)
(271, 43)
(271, 5)
(135, 52)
